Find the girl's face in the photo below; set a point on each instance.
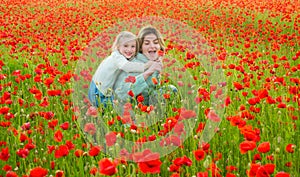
(128, 48)
(151, 46)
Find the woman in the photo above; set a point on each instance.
(125, 48)
(151, 44)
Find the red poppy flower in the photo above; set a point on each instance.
(174, 168)
(29, 146)
(152, 138)
(23, 153)
(199, 154)
(50, 148)
(288, 164)
(48, 81)
(183, 161)
(253, 169)
(160, 53)
(48, 115)
(281, 105)
(78, 153)
(111, 138)
(250, 134)
(54, 92)
(231, 168)
(171, 140)
(38, 172)
(264, 147)
(94, 151)
(107, 167)
(180, 83)
(44, 103)
(211, 115)
(140, 98)
(90, 128)
(23, 137)
(58, 136)
(4, 154)
(61, 151)
(254, 101)
(64, 126)
(246, 146)
(290, 148)
(167, 96)
(149, 162)
(59, 173)
(179, 128)
(93, 171)
(52, 124)
(230, 175)
(270, 100)
(7, 167)
(92, 111)
(154, 80)
(11, 174)
(238, 86)
(282, 174)
(202, 174)
(269, 168)
(200, 127)
(4, 110)
(70, 144)
(130, 79)
(256, 157)
(130, 93)
(261, 172)
(175, 175)
(186, 114)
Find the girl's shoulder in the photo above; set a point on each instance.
(115, 53)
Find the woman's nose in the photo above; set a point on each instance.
(151, 44)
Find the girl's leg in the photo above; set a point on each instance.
(93, 94)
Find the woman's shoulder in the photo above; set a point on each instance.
(141, 57)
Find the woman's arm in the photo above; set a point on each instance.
(142, 80)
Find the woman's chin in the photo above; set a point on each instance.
(152, 57)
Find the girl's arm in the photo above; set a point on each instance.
(135, 66)
(128, 66)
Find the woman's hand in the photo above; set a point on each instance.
(157, 66)
(148, 65)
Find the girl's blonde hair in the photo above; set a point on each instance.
(150, 30)
(122, 37)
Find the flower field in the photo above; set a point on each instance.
(235, 64)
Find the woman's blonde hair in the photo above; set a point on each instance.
(122, 37)
(150, 30)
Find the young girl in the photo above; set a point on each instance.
(124, 48)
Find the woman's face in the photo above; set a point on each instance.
(151, 46)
